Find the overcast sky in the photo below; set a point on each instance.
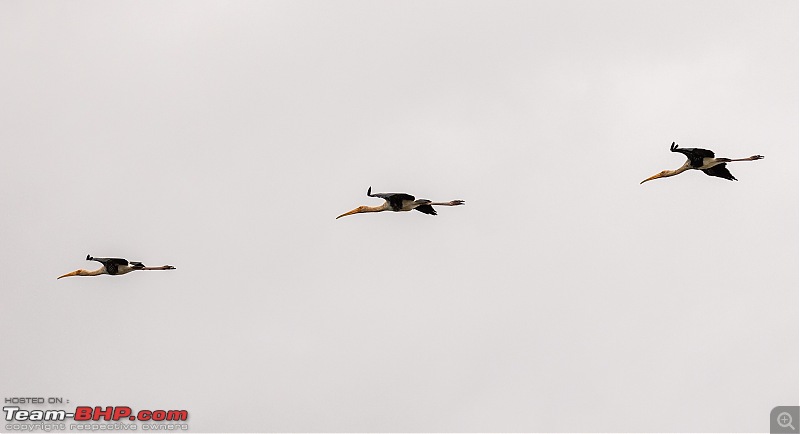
(224, 138)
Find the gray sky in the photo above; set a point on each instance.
(224, 137)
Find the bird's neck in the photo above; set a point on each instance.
(686, 166)
(365, 208)
(92, 272)
(379, 208)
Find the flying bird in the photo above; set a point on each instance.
(401, 202)
(114, 266)
(701, 159)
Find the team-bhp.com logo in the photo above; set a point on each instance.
(91, 414)
(95, 413)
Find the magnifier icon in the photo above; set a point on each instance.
(785, 420)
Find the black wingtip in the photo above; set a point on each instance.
(673, 147)
(369, 191)
(88, 257)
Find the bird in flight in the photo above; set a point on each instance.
(701, 159)
(401, 202)
(114, 266)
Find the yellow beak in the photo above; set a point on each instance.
(74, 273)
(355, 211)
(656, 176)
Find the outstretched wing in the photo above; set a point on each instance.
(387, 196)
(695, 155)
(104, 261)
(720, 171)
(426, 209)
(395, 199)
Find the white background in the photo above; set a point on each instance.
(224, 137)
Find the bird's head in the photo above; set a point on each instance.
(661, 174)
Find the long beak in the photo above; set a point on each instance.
(74, 273)
(355, 211)
(656, 176)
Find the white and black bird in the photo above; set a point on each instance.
(114, 267)
(401, 202)
(701, 159)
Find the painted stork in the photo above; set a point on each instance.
(701, 159)
(114, 266)
(401, 202)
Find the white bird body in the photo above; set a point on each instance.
(708, 163)
(124, 270)
(408, 205)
